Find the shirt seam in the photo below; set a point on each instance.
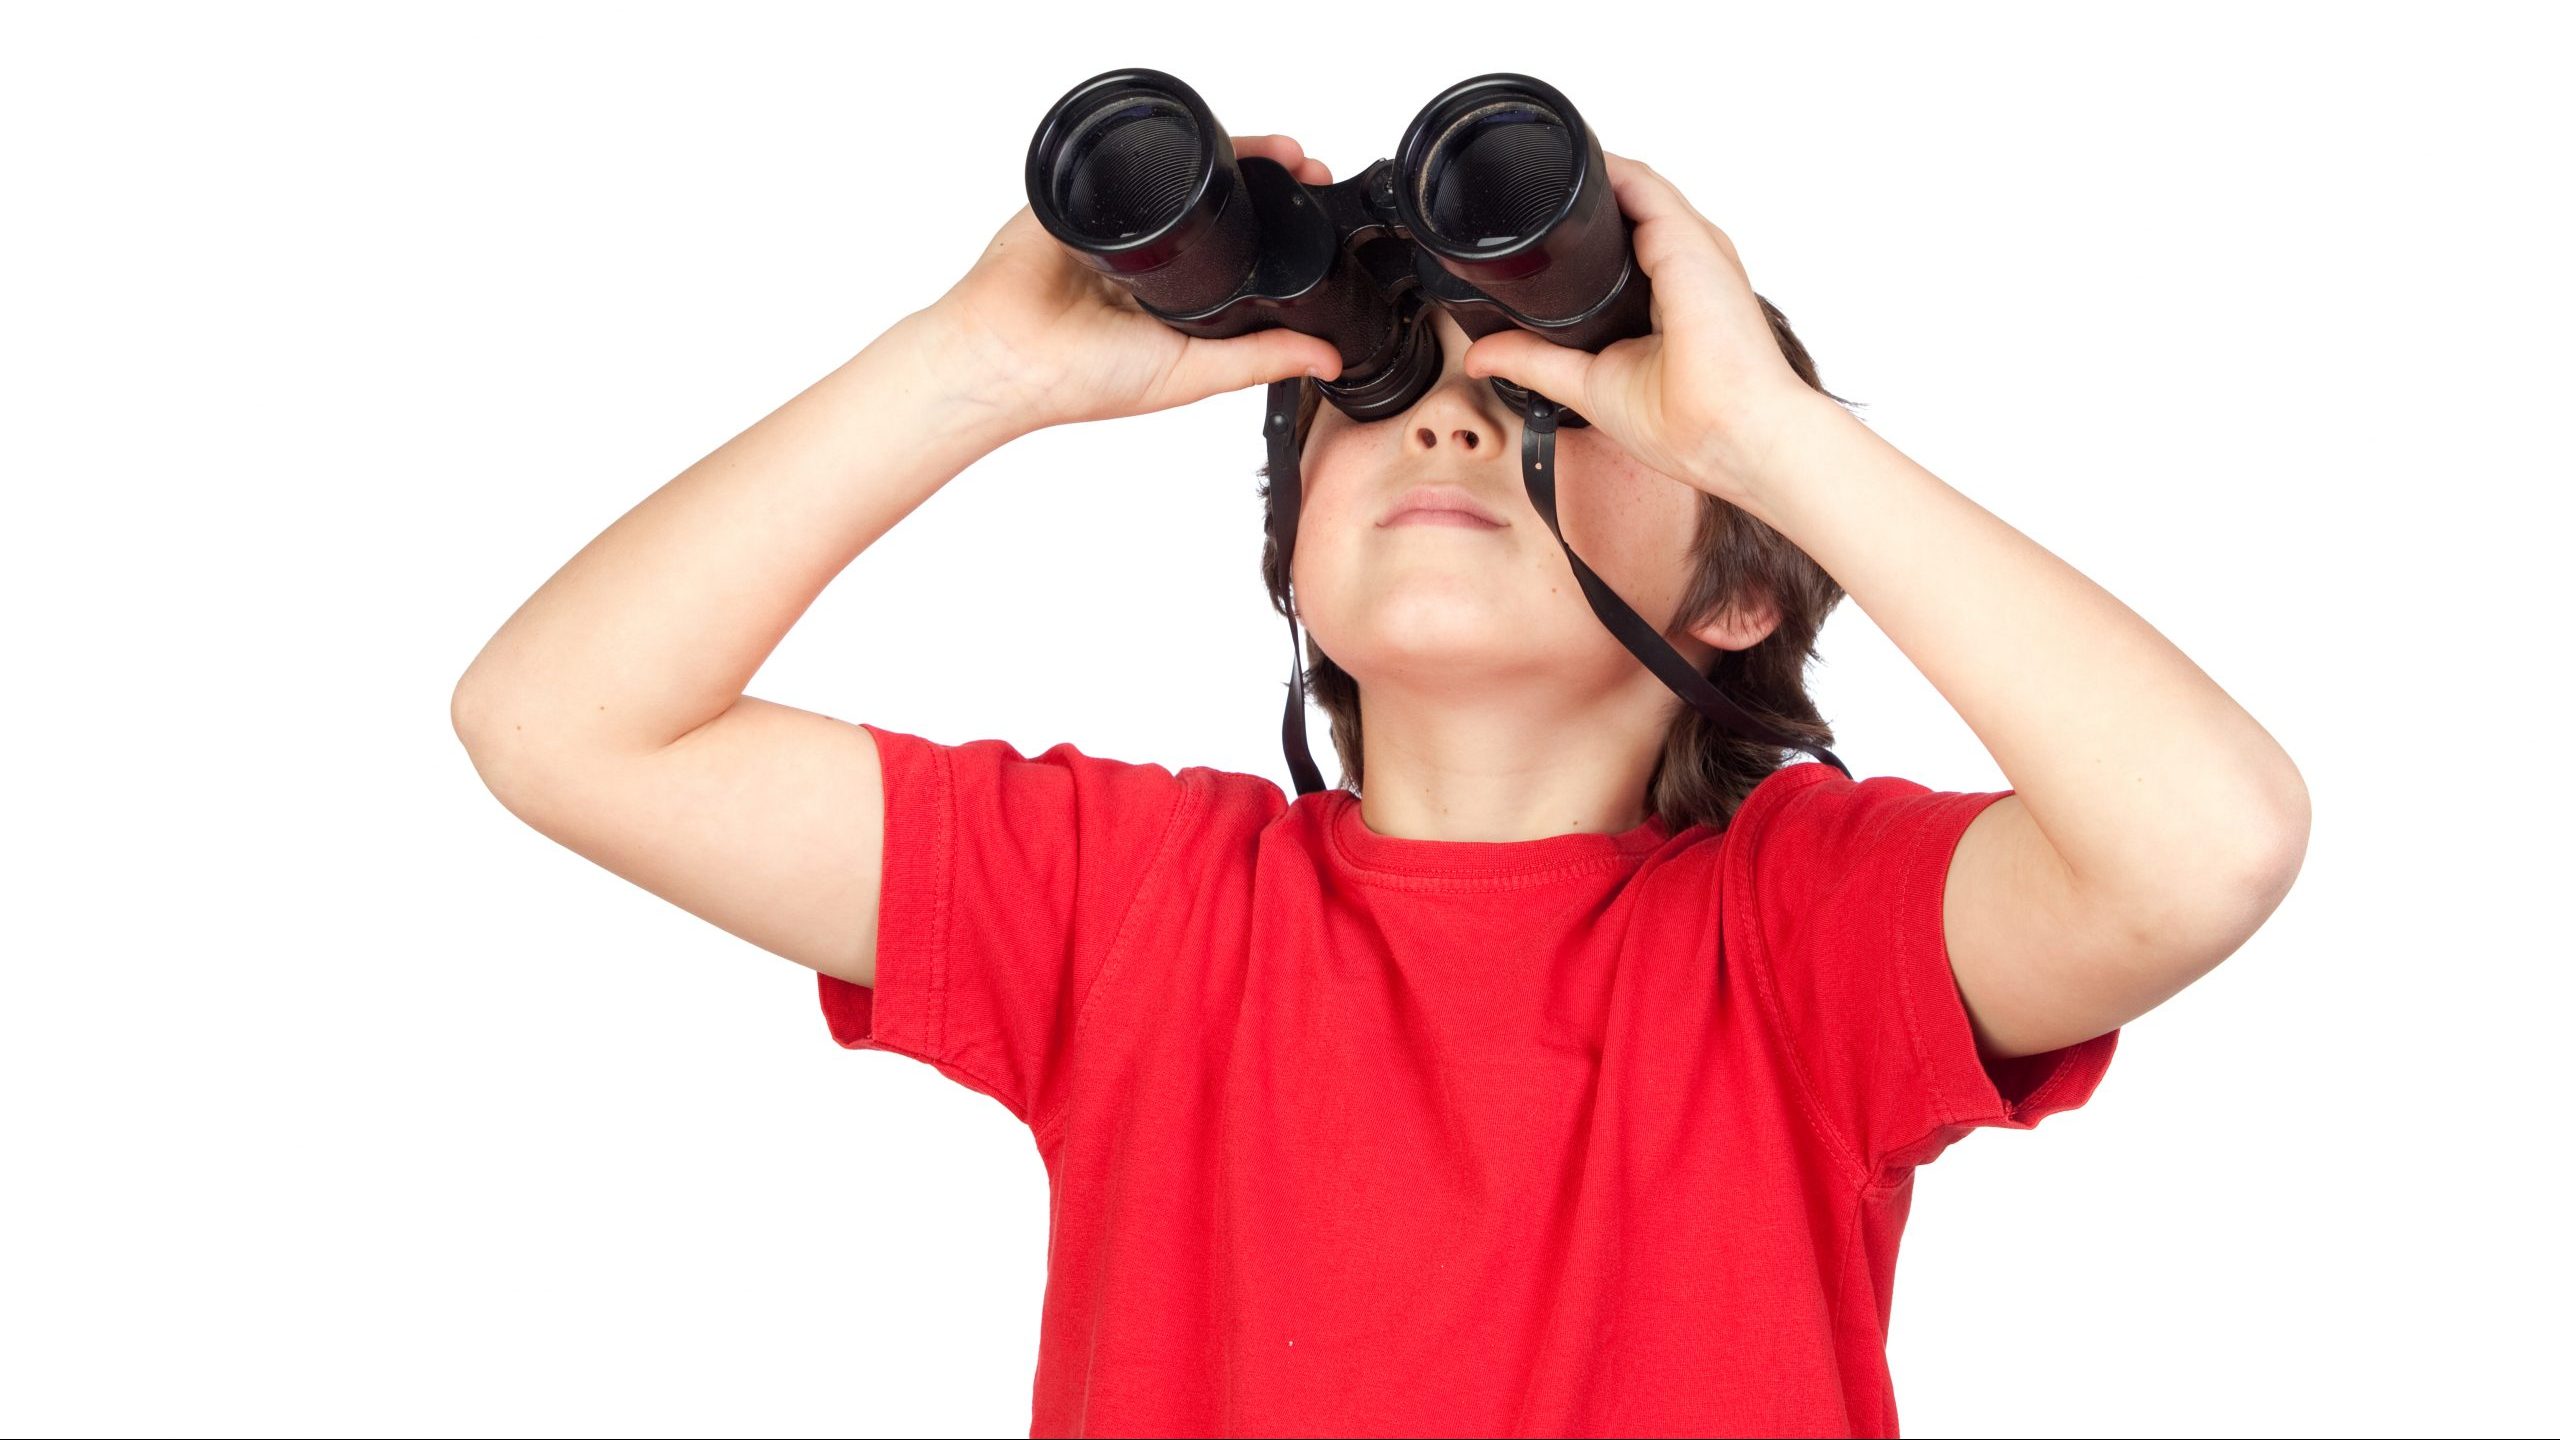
(1185, 803)
(1944, 1113)
(1916, 866)
(1463, 878)
(945, 827)
(937, 1008)
(1762, 962)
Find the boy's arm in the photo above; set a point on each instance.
(2155, 824)
(609, 713)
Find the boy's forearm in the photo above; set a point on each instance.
(2141, 772)
(657, 624)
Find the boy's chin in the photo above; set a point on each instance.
(1457, 665)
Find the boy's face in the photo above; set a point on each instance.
(1466, 610)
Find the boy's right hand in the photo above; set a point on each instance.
(1055, 342)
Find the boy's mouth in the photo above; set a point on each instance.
(1442, 505)
(1457, 518)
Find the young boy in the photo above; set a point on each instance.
(1487, 1100)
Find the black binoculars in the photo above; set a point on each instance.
(1496, 206)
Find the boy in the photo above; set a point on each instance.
(1488, 1100)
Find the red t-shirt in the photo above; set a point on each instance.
(1349, 1134)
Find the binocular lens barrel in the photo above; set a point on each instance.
(1135, 176)
(1496, 174)
(1129, 170)
(1507, 188)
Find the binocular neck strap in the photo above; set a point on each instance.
(1538, 469)
(1280, 433)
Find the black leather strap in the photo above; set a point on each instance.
(1279, 431)
(1538, 470)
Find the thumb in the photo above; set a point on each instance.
(1556, 371)
(1278, 353)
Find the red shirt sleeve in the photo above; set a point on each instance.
(1004, 884)
(1841, 891)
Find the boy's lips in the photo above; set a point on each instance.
(1442, 505)
(1457, 518)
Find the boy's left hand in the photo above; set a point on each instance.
(1703, 398)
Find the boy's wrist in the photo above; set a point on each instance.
(1796, 433)
(957, 383)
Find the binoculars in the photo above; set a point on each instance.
(1495, 206)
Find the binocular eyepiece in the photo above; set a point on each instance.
(1496, 206)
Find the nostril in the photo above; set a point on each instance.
(1471, 438)
(1427, 440)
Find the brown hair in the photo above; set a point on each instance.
(1704, 771)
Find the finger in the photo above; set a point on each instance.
(1643, 195)
(1287, 152)
(1555, 371)
(1670, 235)
(1278, 353)
(1642, 192)
(1270, 147)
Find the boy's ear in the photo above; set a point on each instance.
(1740, 625)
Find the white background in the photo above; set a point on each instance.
(337, 1099)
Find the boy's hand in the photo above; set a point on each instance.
(1037, 332)
(1703, 398)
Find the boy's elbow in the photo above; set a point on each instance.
(472, 710)
(481, 721)
(2278, 840)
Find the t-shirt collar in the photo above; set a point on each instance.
(1510, 860)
